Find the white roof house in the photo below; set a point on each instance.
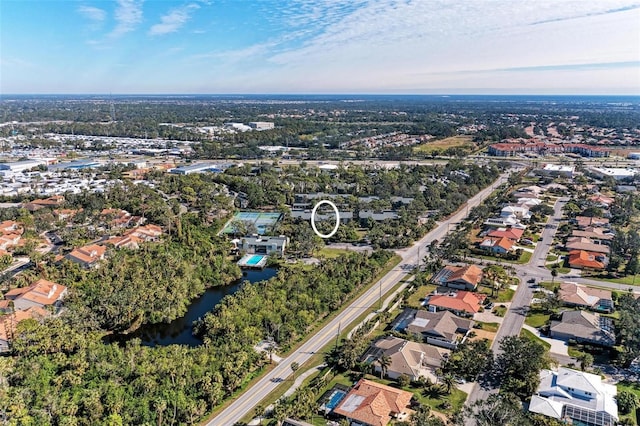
(577, 395)
(520, 212)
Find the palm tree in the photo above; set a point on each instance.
(385, 362)
(448, 382)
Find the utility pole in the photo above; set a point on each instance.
(380, 299)
(338, 336)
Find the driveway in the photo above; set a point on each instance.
(559, 347)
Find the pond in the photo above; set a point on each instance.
(179, 331)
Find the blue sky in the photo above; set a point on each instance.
(320, 46)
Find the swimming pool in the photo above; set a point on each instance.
(254, 260)
(335, 399)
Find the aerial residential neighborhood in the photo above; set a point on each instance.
(232, 274)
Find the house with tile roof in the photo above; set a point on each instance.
(408, 358)
(87, 256)
(461, 277)
(40, 294)
(586, 221)
(464, 303)
(596, 234)
(575, 396)
(371, 404)
(148, 232)
(11, 227)
(436, 328)
(513, 234)
(53, 201)
(9, 323)
(125, 241)
(583, 327)
(586, 244)
(518, 212)
(501, 245)
(580, 296)
(581, 259)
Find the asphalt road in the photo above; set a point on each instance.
(251, 397)
(514, 319)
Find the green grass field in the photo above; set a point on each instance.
(532, 337)
(536, 319)
(442, 144)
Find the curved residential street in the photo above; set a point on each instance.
(245, 402)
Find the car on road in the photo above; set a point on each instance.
(531, 280)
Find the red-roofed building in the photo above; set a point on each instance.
(463, 303)
(40, 294)
(511, 233)
(87, 256)
(581, 259)
(371, 404)
(501, 245)
(461, 277)
(146, 233)
(9, 323)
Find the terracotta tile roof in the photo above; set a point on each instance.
(463, 301)
(470, 273)
(603, 199)
(127, 241)
(88, 254)
(510, 233)
(584, 221)
(586, 244)
(592, 232)
(11, 227)
(503, 242)
(42, 292)
(373, 403)
(9, 323)
(584, 259)
(55, 200)
(147, 232)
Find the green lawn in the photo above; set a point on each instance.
(624, 280)
(551, 286)
(500, 310)
(532, 337)
(561, 270)
(551, 257)
(505, 295)
(491, 327)
(524, 258)
(414, 301)
(536, 319)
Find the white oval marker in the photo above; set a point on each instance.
(313, 219)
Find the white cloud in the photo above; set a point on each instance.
(92, 13)
(128, 15)
(174, 20)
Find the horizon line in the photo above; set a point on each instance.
(442, 94)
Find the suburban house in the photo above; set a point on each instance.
(372, 404)
(40, 294)
(9, 240)
(125, 241)
(53, 201)
(583, 327)
(586, 221)
(586, 244)
(464, 303)
(437, 328)
(461, 277)
(602, 200)
(87, 256)
(581, 397)
(519, 212)
(505, 222)
(262, 244)
(573, 294)
(9, 323)
(120, 218)
(510, 233)
(148, 232)
(580, 259)
(10, 227)
(408, 358)
(596, 234)
(501, 245)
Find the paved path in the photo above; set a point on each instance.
(410, 257)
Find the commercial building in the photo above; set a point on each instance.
(615, 172)
(541, 148)
(261, 125)
(21, 166)
(199, 168)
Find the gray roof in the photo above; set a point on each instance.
(585, 325)
(443, 324)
